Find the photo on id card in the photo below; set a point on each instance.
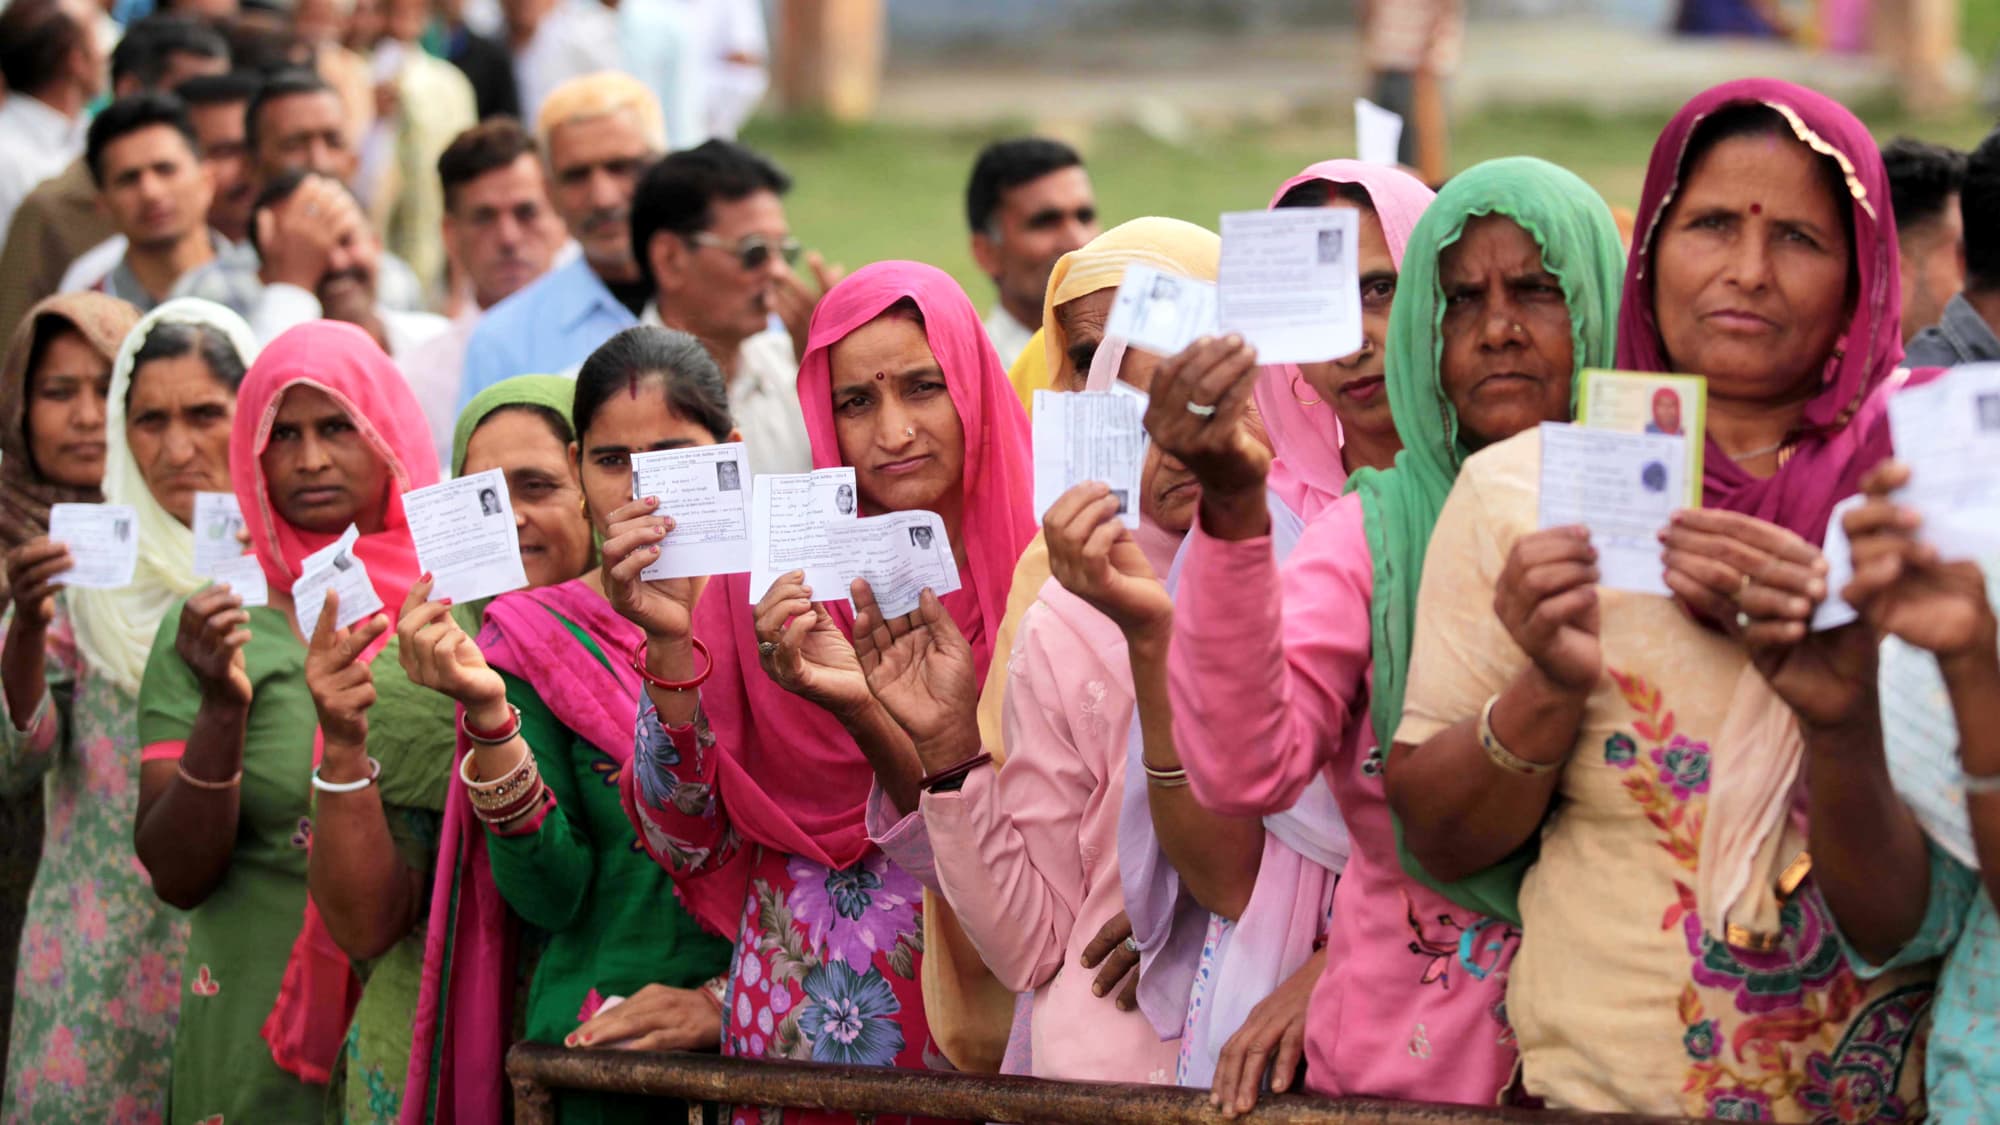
(1641, 402)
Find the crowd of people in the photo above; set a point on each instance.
(1338, 772)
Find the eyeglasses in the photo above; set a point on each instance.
(753, 251)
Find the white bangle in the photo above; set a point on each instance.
(324, 786)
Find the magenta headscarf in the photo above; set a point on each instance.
(789, 775)
(1308, 473)
(1846, 431)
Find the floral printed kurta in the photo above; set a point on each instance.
(98, 987)
(826, 962)
(1620, 997)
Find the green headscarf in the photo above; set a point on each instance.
(1580, 246)
(551, 391)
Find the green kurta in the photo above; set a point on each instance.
(240, 936)
(614, 924)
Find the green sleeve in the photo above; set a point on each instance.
(1953, 889)
(169, 695)
(545, 873)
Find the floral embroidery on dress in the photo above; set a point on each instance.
(204, 984)
(1090, 710)
(606, 767)
(303, 838)
(848, 1017)
(1745, 1060)
(855, 913)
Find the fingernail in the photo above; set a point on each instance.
(569, 1040)
(424, 577)
(444, 601)
(1097, 990)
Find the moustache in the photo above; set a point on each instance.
(596, 221)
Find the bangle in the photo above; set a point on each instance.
(1977, 784)
(512, 810)
(1164, 779)
(1500, 756)
(707, 666)
(499, 737)
(956, 773)
(489, 796)
(234, 780)
(324, 786)
(715, 990)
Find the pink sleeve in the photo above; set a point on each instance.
(1268, 668)
(905, 840)
(1008, 846)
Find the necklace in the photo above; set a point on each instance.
(1753, 454)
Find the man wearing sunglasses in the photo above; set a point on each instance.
(597, 134)
(709, 231)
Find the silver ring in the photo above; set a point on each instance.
(767, 649)
(1132, 945)
(1200, 411)
(1742, 620)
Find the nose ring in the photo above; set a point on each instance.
(909, 431)
(1518, 330)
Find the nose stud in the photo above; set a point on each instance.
(909, 431)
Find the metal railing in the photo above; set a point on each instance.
(537, 1070)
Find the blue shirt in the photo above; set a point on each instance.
(551, 326)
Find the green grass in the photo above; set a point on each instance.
(871, 192)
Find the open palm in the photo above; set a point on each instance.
(920, 668)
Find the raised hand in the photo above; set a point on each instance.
(343, 688)
(802, 649)
(1199, 400)
(436, 654)
(664, 607)
(920, 668)
(32, 569)
(1094, 556)
(1902, 587)
(214, 628)
(794, 301)
(1547, 598)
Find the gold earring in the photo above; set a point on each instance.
(1295, 394)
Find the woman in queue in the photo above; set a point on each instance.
(98, 988)
(535, 828)
(1653, 746)
(757, 734)
(326, 436)
(1508, 286)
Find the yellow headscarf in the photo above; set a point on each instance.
(969, 1012)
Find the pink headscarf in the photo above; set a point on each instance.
(1845, 431)
(789, 775)
(346, 363)
(1308, 473)
(317, 994)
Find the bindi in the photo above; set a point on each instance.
(881, 375)
(1756, 208)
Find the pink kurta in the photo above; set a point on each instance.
(1269, 676)
(1028, 856)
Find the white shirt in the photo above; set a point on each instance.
(577, 37)
(281, 307)
(434, 369)
(36, 142)
(93, 265)
(763, 400)
(1009, 338)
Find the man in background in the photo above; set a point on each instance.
(151, 181)
(295, 123)
(216, 105)
(1968, 331)
(54, 68)
(597, 134)
(708, 225)
(1029, 202)
(1924, 183)
(59, 221)
(318, 258)
(501, 234)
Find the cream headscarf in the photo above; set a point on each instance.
(1168, 245)
(115, 628)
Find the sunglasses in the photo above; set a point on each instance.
(753, 251)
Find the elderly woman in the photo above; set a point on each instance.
(1677, 958)
(1507, 288)
(95, 1001)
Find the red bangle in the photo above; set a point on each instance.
(499, 737)
(953, 773)
(707, 661)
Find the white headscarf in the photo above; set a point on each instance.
(115, 628)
